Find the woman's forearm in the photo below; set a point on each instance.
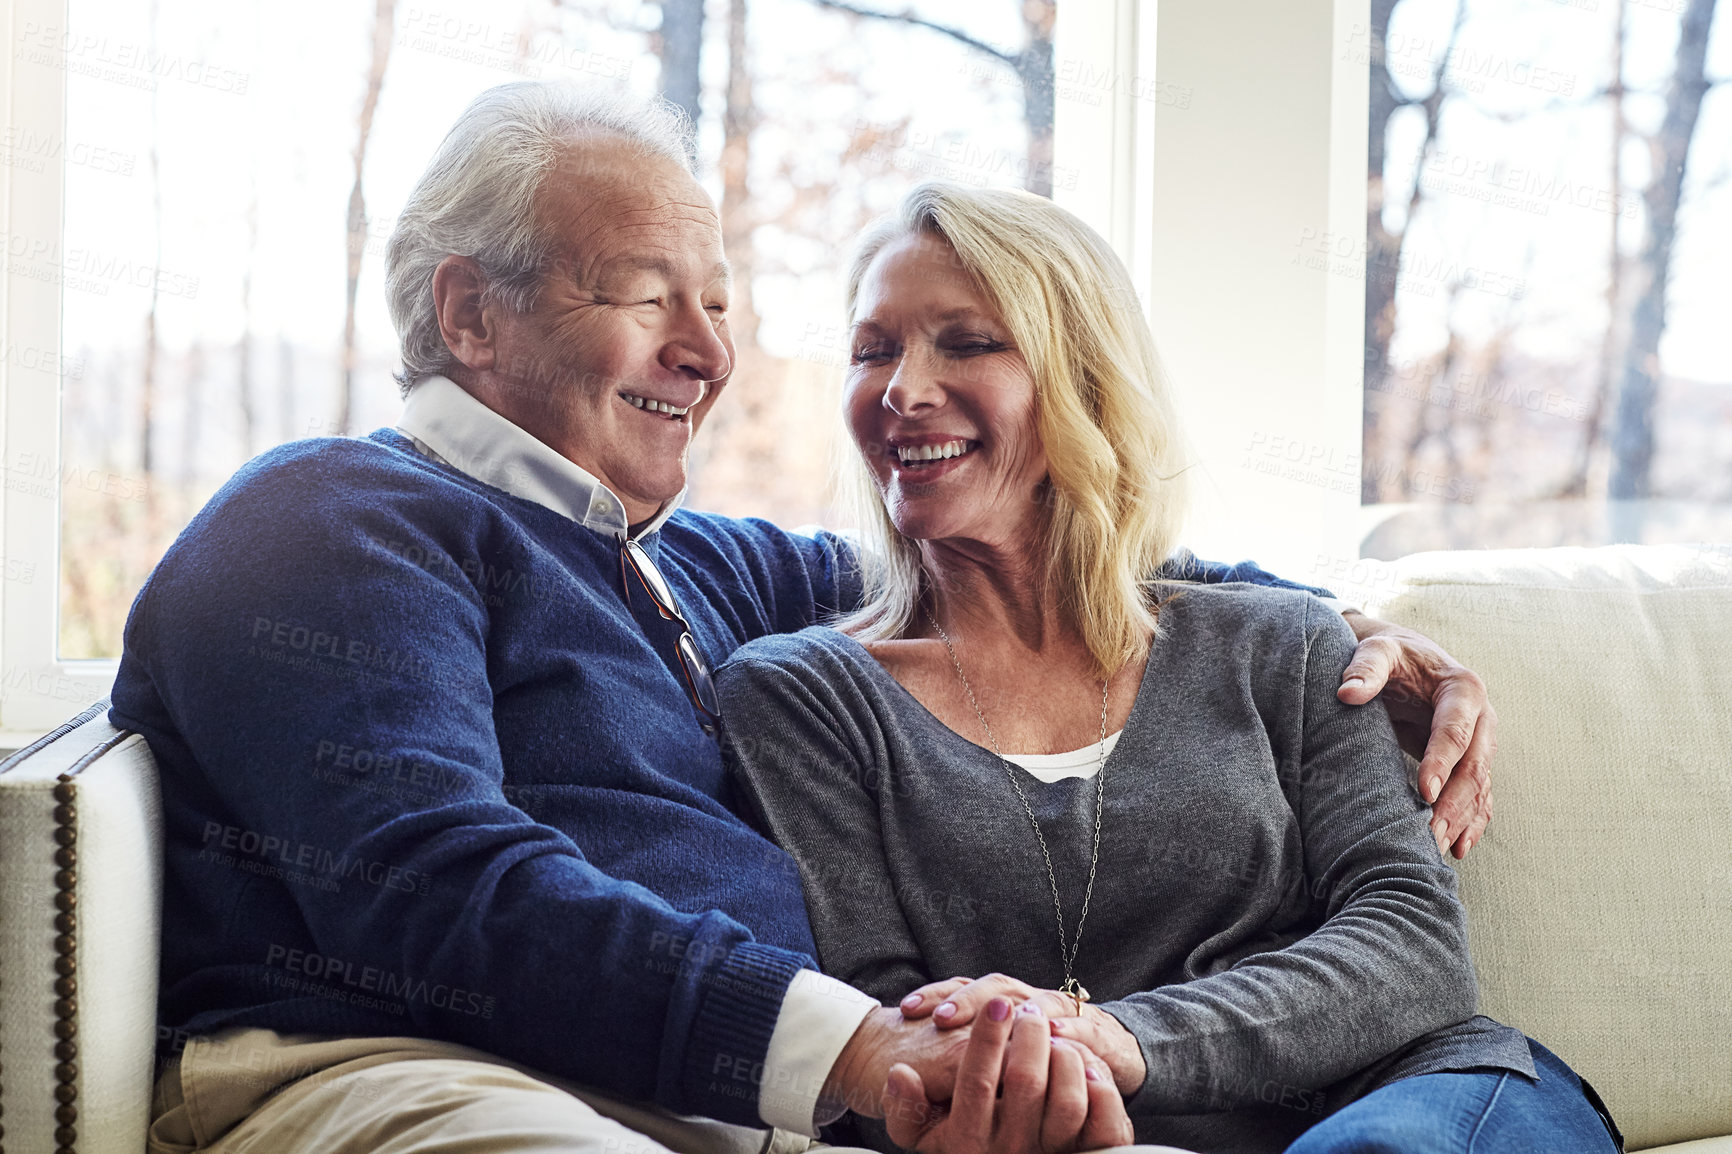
(1381, 973)
(1389, 961)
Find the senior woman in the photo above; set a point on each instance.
(1141, 810)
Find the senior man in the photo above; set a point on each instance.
(451, 857)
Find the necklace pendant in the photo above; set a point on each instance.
(1075, 989)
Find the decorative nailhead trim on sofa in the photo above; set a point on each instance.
(65, 925)
(66, 963)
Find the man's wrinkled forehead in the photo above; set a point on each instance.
(605, 203)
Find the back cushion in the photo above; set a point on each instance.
(1600, 900)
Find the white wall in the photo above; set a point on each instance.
(1247, 141)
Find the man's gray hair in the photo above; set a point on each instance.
(477, 199)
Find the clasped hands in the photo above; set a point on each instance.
(967, 1066)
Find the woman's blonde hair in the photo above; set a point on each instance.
(1115, 492)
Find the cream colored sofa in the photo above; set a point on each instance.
(1600, 898)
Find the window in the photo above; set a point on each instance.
(210, 166)
(1254, 234)
(206, 160)
(194, 191)
(1549, 249)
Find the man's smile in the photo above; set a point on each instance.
(661, 408)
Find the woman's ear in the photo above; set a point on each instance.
(465, 322)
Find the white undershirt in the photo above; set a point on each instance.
(1051, 767)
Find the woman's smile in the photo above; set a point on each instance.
(927, 457)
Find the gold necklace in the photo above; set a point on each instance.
(1067, 955)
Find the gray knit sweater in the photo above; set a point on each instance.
(1271, 918)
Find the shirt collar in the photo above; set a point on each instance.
(449, 425)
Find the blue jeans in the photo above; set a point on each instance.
(1477, 1112)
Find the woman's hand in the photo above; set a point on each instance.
(1018, 1090)
(957, 1001)
(940, 1000)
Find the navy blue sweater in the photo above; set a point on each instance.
(426, 771)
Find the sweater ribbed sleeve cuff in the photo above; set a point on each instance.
(730, 1036)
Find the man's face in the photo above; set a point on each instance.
(631, 322)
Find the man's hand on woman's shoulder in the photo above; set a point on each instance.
(1442, 716)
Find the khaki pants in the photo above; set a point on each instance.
(259, 1092)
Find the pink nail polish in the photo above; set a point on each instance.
(998, 1009)
(947, 1010)
(1092, 1074)
(1030, 1009)
(911, 1002)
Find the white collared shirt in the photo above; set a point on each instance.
(819, 1014)
(449, 425)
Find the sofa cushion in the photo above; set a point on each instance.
(92, 917)
(1600, 899)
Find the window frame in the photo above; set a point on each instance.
(38, 690)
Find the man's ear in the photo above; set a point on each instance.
(464, 323)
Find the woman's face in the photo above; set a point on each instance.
(941, 402)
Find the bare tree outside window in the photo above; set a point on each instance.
(1031, 64)
(383, 33)
(679, 48)
(1632, 438)
(1547, 236)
